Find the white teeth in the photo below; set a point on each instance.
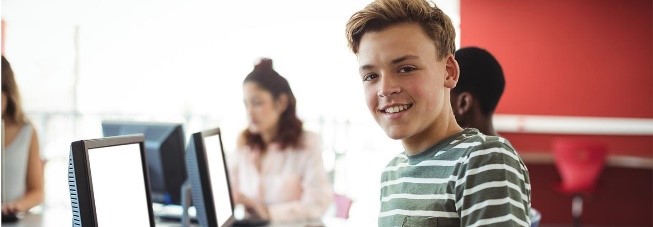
(396, 109)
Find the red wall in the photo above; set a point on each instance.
(574, 58)
(571, 58)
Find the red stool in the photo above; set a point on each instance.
(579, 163)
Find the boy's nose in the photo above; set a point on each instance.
(388, 87)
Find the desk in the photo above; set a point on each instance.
(57, 218)
(54, 217)
(62, 217)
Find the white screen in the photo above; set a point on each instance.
(119, 186)
(219, 184)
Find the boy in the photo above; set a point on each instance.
(446, 176)
(478, 90)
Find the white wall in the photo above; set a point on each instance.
(78, 62)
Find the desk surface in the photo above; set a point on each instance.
(56, 217)
(62, 217)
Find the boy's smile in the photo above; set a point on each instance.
(390, 109)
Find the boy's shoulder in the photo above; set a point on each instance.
(397, 160)
(472, 138)
(493, 149)
(472, 142)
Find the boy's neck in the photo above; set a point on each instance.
(419, 143)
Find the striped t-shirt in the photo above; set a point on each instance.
(468, 179)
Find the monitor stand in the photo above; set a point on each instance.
(185, 203)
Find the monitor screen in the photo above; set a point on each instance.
(207, 172)
(218, 176)
(117, 190)
(164, 146)
(108, 182)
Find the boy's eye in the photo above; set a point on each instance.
(407, 69)
(369, 77)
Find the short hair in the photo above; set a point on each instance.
(290, 127)
(14, 111)
(481, 75)
(381, 14)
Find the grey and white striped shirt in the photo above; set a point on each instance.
(468, 179)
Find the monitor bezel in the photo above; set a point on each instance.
(205, 178)
(84, 180)
(173, 188)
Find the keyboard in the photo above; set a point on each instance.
(9, 218)
(173, 213)
(251, 222)
(175, 218)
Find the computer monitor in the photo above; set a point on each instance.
(107, 177)
(164, 146)
(207, 172)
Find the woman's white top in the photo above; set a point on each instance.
(14, 165)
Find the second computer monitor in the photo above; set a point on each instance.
(164, 146)
(207, 171)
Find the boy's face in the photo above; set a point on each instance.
(406, 85)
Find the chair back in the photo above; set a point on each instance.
(343, 203)
(579, 163)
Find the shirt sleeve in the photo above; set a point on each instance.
(493, 187)
(317, 193)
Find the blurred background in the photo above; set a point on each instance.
(574, 69)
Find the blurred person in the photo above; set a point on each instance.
(478, 92)
(447, 175)
(22, 168)
(277, 171)
(480, 86)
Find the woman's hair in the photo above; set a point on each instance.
(14, 111)
(290, 127)
(381, 14)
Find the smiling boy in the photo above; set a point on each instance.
(447, 175)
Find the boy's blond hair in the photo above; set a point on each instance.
(381, 14)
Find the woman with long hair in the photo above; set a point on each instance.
(22, 169)
(277, 171)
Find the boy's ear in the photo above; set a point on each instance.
(463, 103)
(282, 102)
(453, 72)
